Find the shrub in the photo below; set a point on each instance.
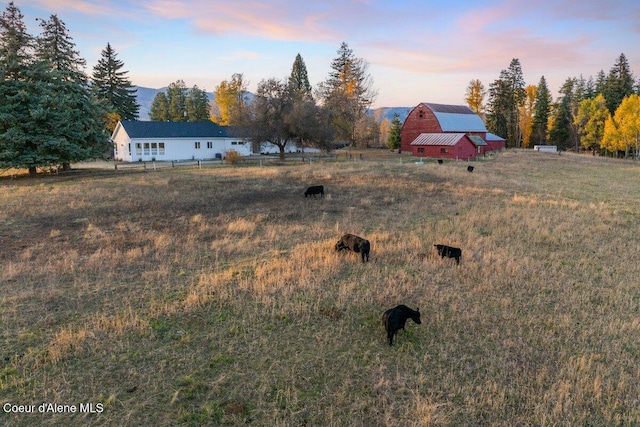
(233, 157)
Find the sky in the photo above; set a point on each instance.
(417, 51)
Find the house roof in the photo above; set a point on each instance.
(449, 139)
(456, 118)
(144, 129)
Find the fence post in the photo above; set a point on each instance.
(116, 167)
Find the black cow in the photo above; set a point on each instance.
(313, 190)
(394, 319)
(356, 244)
(469, 168)
(449, 252)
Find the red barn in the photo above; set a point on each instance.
(463, 134)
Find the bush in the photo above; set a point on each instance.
(233, 157)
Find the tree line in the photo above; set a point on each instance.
(601, 115)
(51, 113)
(287, 110)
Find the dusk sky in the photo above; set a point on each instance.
(418, 51)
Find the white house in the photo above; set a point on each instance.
(145, 141)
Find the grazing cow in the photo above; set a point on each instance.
(440, 161)
(394, 319)
(469, 168)
(449, 252)
(356, 244)
(313, 190)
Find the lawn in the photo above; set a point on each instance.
(214, 296)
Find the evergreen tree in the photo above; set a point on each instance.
(299, 79)
(197, 105)
(56, 46)
(159, 111)
(348, 92)
(177, 99)
(563, 132)
(619, 83)
(112, 85)
(506, 96)
(47, 116)
(393, 140)
(542, 108)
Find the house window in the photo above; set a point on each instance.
(129, 149)
(209, 144)
(115, 149)
(161, 148)
(444, 151)
(146, 148)
(234, 142)
(197, 145)
(154, 149)
(138, 149)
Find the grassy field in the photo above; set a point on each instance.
(214, 297)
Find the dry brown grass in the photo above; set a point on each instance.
(214, 296)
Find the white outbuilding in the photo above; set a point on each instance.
(146, 141)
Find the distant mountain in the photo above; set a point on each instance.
(146, 95)
(387, 113)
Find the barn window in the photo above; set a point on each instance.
(444, 151)
(197, 145)
(138, 148)
(161, 148)
(421, 114)
(209, 144)
(421, 150)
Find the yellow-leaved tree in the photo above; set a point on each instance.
(590, 120)
(622, 130)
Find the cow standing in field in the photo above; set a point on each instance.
(313, 190)
(355, 244)
(449, 252)
(394, 319)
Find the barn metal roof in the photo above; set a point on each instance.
(143, 129)
(456, 118)
(492, 137)
(449, 139)
(477, 141)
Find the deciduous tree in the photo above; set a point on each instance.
(592, 115)
(475, 95)
(231, 101)
(622, 130)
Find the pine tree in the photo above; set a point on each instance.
(619, 83)
(348, 92)
(506, 96)
(197, 105)
(542, 107)
(177, 99)
(47, 116)
(159, 111)
(112, 85)
(56, 46)
(393, 140)
(299, 79)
